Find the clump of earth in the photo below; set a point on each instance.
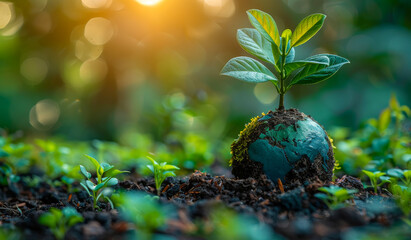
(286, 145)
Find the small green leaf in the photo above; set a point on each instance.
(85, 187)
(94, 161)
(314, 73)
(169, 174)
(90, 185)
(101, 185)
(112, 182)
(285, 40)
(394, 105)
(170, 167)
(290, 57)
(253, 43)
(264, 24)
(84, 172)
(152, 160)
(307, 28)
(384, 119)
(247, 69)
(48, 219)
(106, 166)
(114, 172)
(151, 167)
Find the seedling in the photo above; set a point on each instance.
(265, 43)
(60, 221)
(105, 178)
(161, 172)
(335, 197)
(8, 178)
(375, 177)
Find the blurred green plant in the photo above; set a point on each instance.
(265, 43)
(335, 197)
(60, 221)
(8, 178)
(105, 178)
(161, 171)
(380, 144)
(402, 195)
(143, 211)
(377, 179)
(403, 175)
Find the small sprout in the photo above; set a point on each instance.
(265, 43)
(60, 221)
(375, 177)
(335, 196)
(105, 178)
(161, 172)
(68, 182)
(8, 178)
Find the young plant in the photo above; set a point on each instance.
(161, 172)
(105, 178)
(8, 178)
(60, 221)
(265, 43)
(334, 196)
(375, 177)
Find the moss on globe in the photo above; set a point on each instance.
(286, 145)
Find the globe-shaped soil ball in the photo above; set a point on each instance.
(286, 145)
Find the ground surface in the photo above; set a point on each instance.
(294, 214)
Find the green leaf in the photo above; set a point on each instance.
(94, 161)
(253, 43)
(307, 28)
(170, 167)
(84, 172)
(290, 57)
(90, 185)
(247, 69)
(101, 185)
(264, 24)
(74, 220)
(112, 182)
(169, 174)
(285, 38)
(314, 73)
(394, 105)
(114, 172)
(395, 172)
(48, 220)
(370, 175)
(106, 166)
(152, 160)
(319, 60)
(384, 119)
(151, 167)
(85, 187)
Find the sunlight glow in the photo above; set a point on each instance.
(149, 2)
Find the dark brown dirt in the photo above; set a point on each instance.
(295, 214)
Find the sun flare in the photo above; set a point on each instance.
(149, 2)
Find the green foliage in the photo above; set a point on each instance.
(9, 234)
(161, 172)
(380, 144)
(402, 197)
(265, 43)
(335, 197)
(377, 179)
(105, 178)
(143, 211)
(60, 221)
(8, 178)
(403, 175)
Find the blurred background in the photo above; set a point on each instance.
(122, 69)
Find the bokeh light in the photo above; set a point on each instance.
(34, 70)
(6, 14)
(149, 2)
(98, 31)
(44, 115)
(96, 3)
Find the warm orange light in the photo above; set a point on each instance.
(149, 2)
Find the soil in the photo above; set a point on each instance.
(292, 212)
(301, 170)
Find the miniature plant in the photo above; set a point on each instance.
(60, 221)
(375, 177)
(143, 211)
(161, 172)
(265, 43)
(105, 178)
(335, 196)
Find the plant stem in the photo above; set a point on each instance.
(282, 87)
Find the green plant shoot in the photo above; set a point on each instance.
(60, 221)
(105, 178)
(375, 177)
(265, 43)
(161, 172)
(334, 196)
